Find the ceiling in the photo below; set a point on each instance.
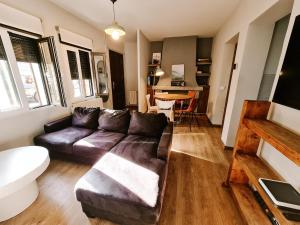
(156, 18)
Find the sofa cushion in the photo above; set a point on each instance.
(85, 117)
(62, 141)
(111, 197)
(96, 144)
(138, 149)
(147, 124)
(114, 120)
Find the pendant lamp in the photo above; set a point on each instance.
(115, 30)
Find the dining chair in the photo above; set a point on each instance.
(190, 111)
(183, 104)
(151, 109)
(166, 107)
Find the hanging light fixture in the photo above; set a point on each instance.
(115, 30)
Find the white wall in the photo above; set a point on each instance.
(238, 23)
(273, 58)
(250, 18)
(19, 129)
(250, 74)
(143, 51)
(130, 63)
(287, 117)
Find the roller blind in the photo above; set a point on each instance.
(26, 49)
(85, 65)
(2, 51)
(73, 65)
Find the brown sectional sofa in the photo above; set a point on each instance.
(141, 139)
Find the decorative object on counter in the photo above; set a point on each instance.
(178, 83)
(101, 78)
(156, 58)
(115, 30)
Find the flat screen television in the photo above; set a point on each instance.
(288, 87)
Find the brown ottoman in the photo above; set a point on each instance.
(108, 197)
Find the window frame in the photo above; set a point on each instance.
(16, 75)
(83, 96)
(44, 82)
(24, 106)
(12, 78)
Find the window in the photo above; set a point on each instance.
(29, 64)
(51, 71)
(29, 72)
(86, 72)
(9, 99)
(72, 59)
(80, 71)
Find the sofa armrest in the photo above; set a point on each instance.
(58, 124)
(164, 146)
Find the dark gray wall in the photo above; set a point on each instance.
(179, 50)
(273, 58)
(155, 46)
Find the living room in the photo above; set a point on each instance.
(124, 112)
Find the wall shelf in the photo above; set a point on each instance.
(285, 141)
(153, 65)
(203, 63)
(246, 168)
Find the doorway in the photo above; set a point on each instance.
(117, 79)
(233, 67)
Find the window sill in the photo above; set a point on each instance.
(22, 111)
(82, 99)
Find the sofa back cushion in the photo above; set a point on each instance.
(147, 124)
(114, 120)
(85, 117)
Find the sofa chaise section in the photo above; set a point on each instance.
(104, 196)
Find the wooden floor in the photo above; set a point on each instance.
(194, 195)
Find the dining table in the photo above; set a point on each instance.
(172, 97)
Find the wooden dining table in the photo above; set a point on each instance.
(172, 97)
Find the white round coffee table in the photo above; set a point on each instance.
(19, 168)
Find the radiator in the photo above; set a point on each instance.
(95, 102)
(132, 97)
